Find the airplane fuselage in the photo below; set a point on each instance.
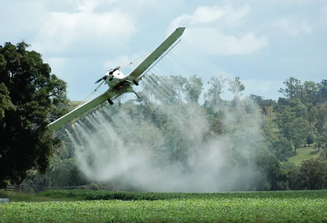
(118, 82)
(112, 78)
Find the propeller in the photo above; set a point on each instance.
(111, 71)
(103, 78)
(110, 75)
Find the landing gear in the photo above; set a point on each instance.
(110, 101)
(135, 82)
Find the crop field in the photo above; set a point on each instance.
(106, 206)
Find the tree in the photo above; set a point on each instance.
(299, 109)
(26, 142)
(322, 94)
(294, 124)
(282, 104)
(5, 102)
(298, 130)
(261, 101)
(293, 88)
(310, 91)
(193, 88)
(313, 174)
(270, 172)
(282, 149)
(256, 98)
(321, 119)
(236, 87)
(291, 173)
(213, 95)
(321, 141)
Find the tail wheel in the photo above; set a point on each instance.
(135, 82)
(110, 101)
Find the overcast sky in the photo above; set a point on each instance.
(262, 42)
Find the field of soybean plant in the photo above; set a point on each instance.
(109, 206)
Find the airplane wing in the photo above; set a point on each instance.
(166, 44)
(112, 94)
(80, 110)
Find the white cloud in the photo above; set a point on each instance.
(293, 25)
(83, 31)
(90, 5)
(238, 14)
(205, 14)
(225, 16)
(211, 39)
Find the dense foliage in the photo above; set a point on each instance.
(30, 97)
(223, 207)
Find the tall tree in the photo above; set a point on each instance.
(236, 87)
(26, 142)
(193, 88)
(293, 88)
(298, 130)
(322, 94)
(310, 92)
(213, 95)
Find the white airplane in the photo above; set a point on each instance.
(118, 82)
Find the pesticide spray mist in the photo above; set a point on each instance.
(125, 146)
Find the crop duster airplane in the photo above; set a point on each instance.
(118, 82)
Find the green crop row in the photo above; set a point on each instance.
(228, 208)
(121, 195)
(290, 206)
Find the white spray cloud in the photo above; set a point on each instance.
(181, 154)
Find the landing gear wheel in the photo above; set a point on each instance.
(110, 101)
(135, 82)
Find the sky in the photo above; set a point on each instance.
(262, 42)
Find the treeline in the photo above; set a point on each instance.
(30, 155)
(300, 120)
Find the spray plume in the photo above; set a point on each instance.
(167, 145)
(167, 142)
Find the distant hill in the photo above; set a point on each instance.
(304, 154)
(74, 103)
